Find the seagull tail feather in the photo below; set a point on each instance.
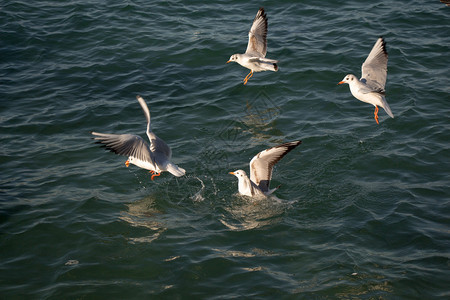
(386, 107)
(175, 170)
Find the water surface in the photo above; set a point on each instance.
(363, 208)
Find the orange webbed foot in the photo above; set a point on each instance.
(248, 77)
(376, 114)
(154, 175)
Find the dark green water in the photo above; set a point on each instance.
(363, 210)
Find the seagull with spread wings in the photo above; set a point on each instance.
(370, 88)
(254, 57)
(261, 167)
(154, 157)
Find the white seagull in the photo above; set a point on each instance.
(370, 88)
(254, 57)
(261, 167)
(154, 157)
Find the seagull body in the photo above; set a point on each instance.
(154, 157)
(254, 57)
(261, 167)
(370, 88)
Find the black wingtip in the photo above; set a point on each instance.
(290, 145)
(107, 148)
(295, 143)
(261, 13)
(383, 44)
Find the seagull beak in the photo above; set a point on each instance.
(232, 173)
(228, 61)
(341, 82)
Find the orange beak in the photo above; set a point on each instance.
(232, 173)
(341, 82)
(228, 61)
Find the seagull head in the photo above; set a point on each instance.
(239, 174)
(349, 78)
(233, 57)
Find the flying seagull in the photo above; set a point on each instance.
(154, 157)
(261, 167)
(370, 88)
(254, 57)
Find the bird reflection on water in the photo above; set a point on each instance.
(245, 213)
(142, 214)
(258, 121)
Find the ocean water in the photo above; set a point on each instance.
(363, 209)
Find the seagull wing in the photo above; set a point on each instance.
(374, 68)
(160, 150)
(125, 144)
(257, 36)
(157, 146)
(262, 163)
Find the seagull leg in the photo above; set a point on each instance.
(375, 113)
(154, 175)
(248, 76)
(127, 163)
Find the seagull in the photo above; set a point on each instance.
(254, 57)
(370, 88)
(261, 167)
(154, 157)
